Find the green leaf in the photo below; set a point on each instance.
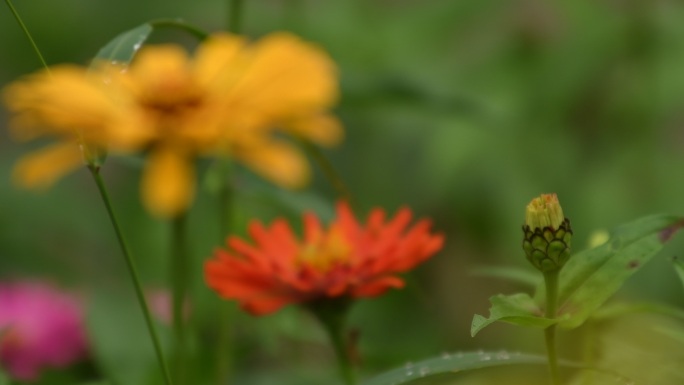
(619, 309)
(519, 309)
(123, 47)
(449, 363)
(593, 276)
(119, 338)
(676, 334)
(679, 268)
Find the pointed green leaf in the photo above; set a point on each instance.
(518, 309)
(452, 362)
(593, 276)
(123, 47)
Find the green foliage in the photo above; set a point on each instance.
(120, 342)
(519, 309)
(450, 363)
(124, 46)
(589, 278)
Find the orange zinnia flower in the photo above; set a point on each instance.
(232, 98)
(346, 259)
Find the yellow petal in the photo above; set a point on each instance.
(321, 129)
(61, 103)
(217, 61)
(168, 184)
(278, 162)
(286, 77)
(42, 168)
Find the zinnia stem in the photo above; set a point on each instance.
(134, 274)
(180, 269)
(332, 314)
(551, 283)
(235, 10)
(27, 33)
(223, 346)
(328, 170)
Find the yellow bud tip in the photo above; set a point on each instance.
(544, 211)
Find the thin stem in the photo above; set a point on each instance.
(551, 283)
(235, 11)
(223, 351)
(328, 170)
(179, 283)
(134, 274)
(27, 33)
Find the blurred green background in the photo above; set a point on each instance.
(462, 110)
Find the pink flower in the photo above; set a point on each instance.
(39, 327)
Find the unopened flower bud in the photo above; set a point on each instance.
(547, 234)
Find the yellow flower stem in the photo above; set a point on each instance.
(235, 11)
(551, 283)
(27, 33)
(328, 170)
(223, 353)
(180, 273)
(130, 264)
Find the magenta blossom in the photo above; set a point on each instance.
(40, 326)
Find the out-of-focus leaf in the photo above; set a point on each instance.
(516, 274)
(620, 309)
(679, 268)
(519, 309)
(592, 276)
(677, 334)
(450, 363)
(120, 342)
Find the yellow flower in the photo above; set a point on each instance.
(232, 98)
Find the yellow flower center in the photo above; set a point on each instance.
(544, 211)
(329, 250)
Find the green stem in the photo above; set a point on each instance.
(235, 11)
(180, 268)
(223, 346)
(27, 33)
(332, 314)
(134, 274)
(551, 283)
(328, 170)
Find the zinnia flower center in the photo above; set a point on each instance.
(327, 251)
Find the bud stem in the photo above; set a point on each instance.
(551, 283)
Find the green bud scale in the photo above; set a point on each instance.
(548, 249)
